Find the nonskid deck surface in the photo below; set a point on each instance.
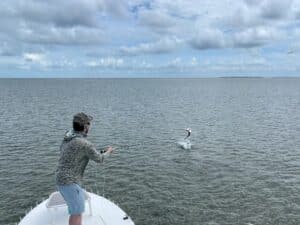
(104, 212)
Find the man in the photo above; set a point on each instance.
(75, 153)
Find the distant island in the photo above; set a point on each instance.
(242, 77)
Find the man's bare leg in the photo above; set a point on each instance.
(75, 220)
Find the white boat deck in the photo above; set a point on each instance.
(98, 211)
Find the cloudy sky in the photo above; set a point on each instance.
(140, 38)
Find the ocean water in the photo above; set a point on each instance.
(243, 168)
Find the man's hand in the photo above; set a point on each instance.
(109, 149)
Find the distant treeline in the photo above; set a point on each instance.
(242, 77)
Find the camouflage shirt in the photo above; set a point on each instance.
(75, 153)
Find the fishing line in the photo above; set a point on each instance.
(103, 186)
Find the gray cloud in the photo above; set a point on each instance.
(253, 2)
(68, 22)
(8, 28)
(243, 16)
(34, 57)
(68, 14)
(46, 30)
(271, 9)
(9, 49)
(157, 21)
(297, 15)
(107, 62)
(255, 13)
(165, 45)
(116, 8)
(61, 36)
(59, 13)
(208, 39)
(275, 9)
(254, 37)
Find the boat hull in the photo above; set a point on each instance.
(101, 211)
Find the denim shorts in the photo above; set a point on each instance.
(74, 197)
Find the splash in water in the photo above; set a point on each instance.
(185, 144)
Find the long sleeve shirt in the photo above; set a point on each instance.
(75, 153)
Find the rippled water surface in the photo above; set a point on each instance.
(243, 168)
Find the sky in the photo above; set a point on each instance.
(140, 38)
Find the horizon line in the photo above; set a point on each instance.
(154, 77)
